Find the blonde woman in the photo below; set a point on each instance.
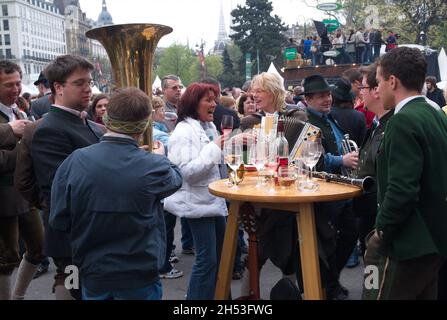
(269, 96)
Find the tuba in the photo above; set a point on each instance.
(131, 49)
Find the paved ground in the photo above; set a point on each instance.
(175, 289)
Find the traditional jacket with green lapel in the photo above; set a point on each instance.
(412, 183)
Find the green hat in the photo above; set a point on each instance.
(314, 84)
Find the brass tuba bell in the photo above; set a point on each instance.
(131, 49)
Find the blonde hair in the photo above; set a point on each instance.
(157, 102)
(228, 102)
(271, 83)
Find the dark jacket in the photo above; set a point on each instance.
(41, 106)
(113, 212)
(412, 183)
(12, 203)
(24, 177)
(367, 204)
(56, 137)
(437, 96)
(352, 121)
(219, 112)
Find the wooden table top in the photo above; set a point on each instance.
(328, 191)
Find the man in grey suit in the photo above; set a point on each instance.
(42, 105)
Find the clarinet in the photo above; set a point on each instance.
(366, 184)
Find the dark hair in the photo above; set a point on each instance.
(62, 67)
(211, 81)
(352, 75)
(9, 67)
(370, 72)
(129, 104)
(406, 64)
(432, 81)
(27, 96)
(342, 104)
(22, 103)
(164, 81)
(96, 99)
(242, 99)
(189, 101)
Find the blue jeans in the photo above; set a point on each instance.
(187, 240)
(208, 234)
(153, 292)
(170, 221)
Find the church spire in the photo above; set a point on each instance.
(222, 31)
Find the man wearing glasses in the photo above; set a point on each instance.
(61, 132)
(172, 92)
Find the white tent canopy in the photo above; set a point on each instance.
(442, 60)
(156, 84)
(272, 69)
(30, 88)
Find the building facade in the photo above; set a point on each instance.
(32, 33)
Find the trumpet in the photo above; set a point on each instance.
(366, 184)
(349, 146)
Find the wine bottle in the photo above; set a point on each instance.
(282, 147)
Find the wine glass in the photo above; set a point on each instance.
(233, 160)
(286, 176)
(257, 157)
(301, 174)
(226, 125)
(310, 155)
(271, 163)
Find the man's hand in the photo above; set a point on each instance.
(18, 127)
(351, 160)
(158, 148)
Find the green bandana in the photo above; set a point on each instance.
(125, 127)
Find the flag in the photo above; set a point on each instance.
(201, 56)
(321, 28)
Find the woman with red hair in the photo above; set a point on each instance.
(196, 148)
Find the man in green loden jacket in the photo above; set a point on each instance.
(408, 247)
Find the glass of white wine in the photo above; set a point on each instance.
(233, 160)
(310, 155)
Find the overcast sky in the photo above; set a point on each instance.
(192, 20)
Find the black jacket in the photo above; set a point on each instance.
(56, 137)
(40, 106)
(352, 121)
(219, 112)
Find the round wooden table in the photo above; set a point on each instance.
(290, 199)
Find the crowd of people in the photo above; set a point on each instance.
(78, 186)
(356, 46)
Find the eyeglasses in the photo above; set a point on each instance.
(364, 87)
(81, 83)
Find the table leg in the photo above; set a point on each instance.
(228, 252)
(309, 252)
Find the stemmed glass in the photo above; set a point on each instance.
(310, 155)
(257, 156)
(233, 159)
(271, 164)
(226, 125)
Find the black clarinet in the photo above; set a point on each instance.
(366, 184)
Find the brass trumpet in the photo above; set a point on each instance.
(349, 146)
